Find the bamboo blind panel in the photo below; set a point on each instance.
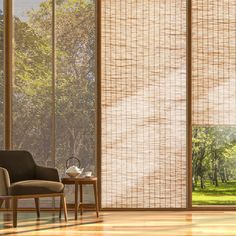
(214, 62)
(143, 103)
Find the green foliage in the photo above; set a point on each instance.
(213, 159)
(225, 194)
(75, 82)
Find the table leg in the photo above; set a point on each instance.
(60, 206)
(76, 201)
(81, 199)
(95, 189)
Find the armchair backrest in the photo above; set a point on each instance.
(19, 164)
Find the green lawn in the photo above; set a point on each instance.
(225, 194)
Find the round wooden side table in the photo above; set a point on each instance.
(80, 181)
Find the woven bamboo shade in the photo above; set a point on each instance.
(214, 62)
(143, 89)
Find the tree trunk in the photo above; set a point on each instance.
(215, 177)
(225, 175)
(202, 183)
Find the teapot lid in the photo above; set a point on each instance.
(72, 158)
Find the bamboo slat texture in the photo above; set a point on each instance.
(214, 62)
(143, 103)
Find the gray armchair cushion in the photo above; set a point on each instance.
(30, 187)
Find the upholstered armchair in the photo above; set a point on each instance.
(20, 177)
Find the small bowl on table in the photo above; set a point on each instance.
(73, 174)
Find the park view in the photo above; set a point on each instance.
(35, 104)
(214, 165)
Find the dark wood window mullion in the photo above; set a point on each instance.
(53, 101)
(189, 103)
(8, 71)
(98, 98)
(53, 118)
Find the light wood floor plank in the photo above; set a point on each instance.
(217, 223)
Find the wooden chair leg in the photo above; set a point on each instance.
(63, 199)
(1, 202)
(7, 204)
(36, 200)
(14, 211)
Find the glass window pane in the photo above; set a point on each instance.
(214, 165)
(75, 83)
(214, 102)
(32, 82)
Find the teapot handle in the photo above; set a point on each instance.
(70, 158)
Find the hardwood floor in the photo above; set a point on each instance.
(123, 223)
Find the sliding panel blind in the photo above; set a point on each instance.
(214, 62)
(143, 103)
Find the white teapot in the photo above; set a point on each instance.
(73, 171)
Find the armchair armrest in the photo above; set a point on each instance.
(4, 182)
(47, 173)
